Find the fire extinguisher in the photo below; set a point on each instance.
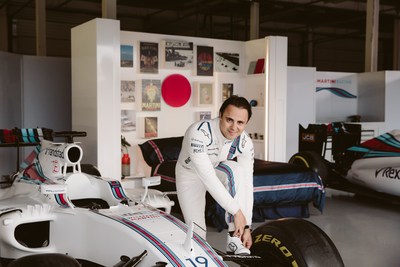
(126, 165)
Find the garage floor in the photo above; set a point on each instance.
(365, 231)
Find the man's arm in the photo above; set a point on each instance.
(240, 223)
(203, 166)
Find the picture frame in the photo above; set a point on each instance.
(150, 127)
(205, 60)
(128, 91)
(203, 94)
(148, 55)
(151, 95)
(227, 62)
(128, 121)
(226, 91)
(126, 56)
(177, 54)
(203, 115)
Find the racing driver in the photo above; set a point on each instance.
(217, 156)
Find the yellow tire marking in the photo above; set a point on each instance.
(303, 160)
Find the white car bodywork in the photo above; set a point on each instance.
(43, 208)
(379, 174)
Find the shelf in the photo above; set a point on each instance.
(256, 75)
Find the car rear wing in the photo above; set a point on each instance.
(336, 136)
(23, 137)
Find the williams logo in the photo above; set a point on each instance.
(388, 172)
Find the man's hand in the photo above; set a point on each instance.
(240, 223)
(246, 238)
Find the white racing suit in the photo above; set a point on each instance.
(205, 164)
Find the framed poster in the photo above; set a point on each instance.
(150, 127)
(148, 57)
(151, 95)
(205, 60)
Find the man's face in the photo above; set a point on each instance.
(233, 121)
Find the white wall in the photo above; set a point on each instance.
(34, 92)
(47, 93)
(371, 96)
(300, 104)
(330, 107)
(10, 105)
(392, 100)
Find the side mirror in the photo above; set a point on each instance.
(149, 181)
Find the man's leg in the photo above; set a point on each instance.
(229, 173)
(191, 195)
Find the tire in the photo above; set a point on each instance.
(313, 161)
(294, 242)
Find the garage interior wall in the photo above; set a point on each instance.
(34, 92)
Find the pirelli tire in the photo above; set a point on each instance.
(313, 161)
(294, 242)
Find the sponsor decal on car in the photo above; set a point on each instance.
(138, 216)
(307, 137)
(388, 172)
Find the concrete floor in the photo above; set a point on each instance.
(365, 231)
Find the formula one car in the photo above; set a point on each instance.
(370, 168)
(59, 212)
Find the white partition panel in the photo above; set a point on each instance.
(96, 104)
(300, 104)
(392, 99)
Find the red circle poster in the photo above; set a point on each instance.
(176, 90)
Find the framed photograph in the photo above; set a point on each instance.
(148, 57)
(128, 121)
(203, 94)
(226, 62)
(128, 91)
(205, 60)
(126, 56)
(203, 115)
(227, 91)
(177, 54)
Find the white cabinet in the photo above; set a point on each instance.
(255, 92)
(270, 91)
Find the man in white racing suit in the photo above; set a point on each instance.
(217, 156)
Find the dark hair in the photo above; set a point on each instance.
(237, 101)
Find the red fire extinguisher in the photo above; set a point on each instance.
(126, 165)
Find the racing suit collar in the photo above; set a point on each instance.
(220, 137)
